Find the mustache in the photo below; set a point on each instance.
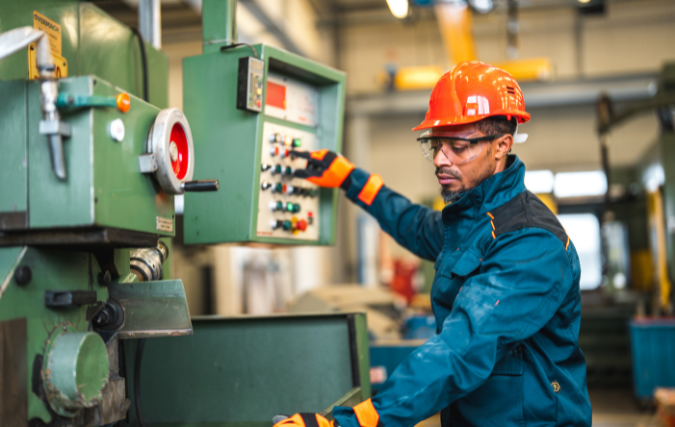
(449, 172)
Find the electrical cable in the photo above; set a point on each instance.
(144, 64)
(141, 342)
(232, 46)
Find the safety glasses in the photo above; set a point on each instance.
(457, 149)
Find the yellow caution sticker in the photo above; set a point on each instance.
(53, 30)
(59, 61)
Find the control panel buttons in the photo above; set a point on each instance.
(288, 141)
(297, 142)
(265, 167)
(301, 225)
(290, 190)
(283, 153)
(274, 151)
(276, 169)
(288, 225)
(288, 171)
(274, 224)
(276, 137)
(265, 185)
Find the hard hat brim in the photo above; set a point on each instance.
(522, 117)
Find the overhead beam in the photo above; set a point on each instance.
(537, 95)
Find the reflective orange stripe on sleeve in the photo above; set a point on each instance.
(370, 190)
(366, 414)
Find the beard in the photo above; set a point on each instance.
(450, 196)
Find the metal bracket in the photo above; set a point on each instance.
(147, 163)
(53, 127)
(62, 299)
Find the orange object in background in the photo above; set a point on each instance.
(665, 406)
(402, 281)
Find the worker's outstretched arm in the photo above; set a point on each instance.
(523, 280)
(415, 227)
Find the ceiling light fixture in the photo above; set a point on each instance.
(398, 8)
(584, 1)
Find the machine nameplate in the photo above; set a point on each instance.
(51, 28)
(165, 224)
(59, 61)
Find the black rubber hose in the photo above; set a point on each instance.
(144, 64)
(137, 382)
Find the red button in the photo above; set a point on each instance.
(283, 188)
(301, 225)
(310, 214)
(257, 103)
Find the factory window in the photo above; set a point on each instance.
(539, 182)
(580, 184)
(584, 232)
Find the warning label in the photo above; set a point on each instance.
(53, 30)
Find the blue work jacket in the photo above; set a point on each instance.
(506, 299)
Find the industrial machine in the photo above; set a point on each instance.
(91, 162)
(89, 171)
(249, 107)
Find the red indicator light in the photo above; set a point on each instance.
(310, 214)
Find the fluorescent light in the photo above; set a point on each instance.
(584, 1)
(580, 184)
(539, 182)
(654, 177)
(482, 6)
(398, 8)
(584, 232)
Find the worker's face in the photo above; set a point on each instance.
(455, 177)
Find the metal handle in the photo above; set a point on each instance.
(201, 185)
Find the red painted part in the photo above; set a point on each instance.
(310, 214)
(180, 166)
(276, 95)
(301, 225)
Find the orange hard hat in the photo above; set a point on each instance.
(472, 91)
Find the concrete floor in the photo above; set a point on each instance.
(612, 407)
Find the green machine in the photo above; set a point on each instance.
(249, 107)
(89, 173)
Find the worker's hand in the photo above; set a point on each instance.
(324, 168)
(306, 420)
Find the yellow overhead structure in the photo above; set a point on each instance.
(454, 20)
(456, 27)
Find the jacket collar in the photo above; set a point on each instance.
(491, 193)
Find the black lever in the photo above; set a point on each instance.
(58, 299)
(201, 185)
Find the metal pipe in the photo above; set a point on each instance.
(17, 39)
(150, 22)
(219, 24)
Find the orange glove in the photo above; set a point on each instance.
(306, 419)
(324, 168)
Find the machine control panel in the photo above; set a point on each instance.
(287, 207)
(250, 84)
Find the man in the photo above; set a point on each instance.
(506, 294)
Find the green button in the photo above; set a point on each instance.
(288, 225)
(289, 207)
(297, 142)
(277, 169)
(278, 188)
(289, 171)
(296, 208)
(280, 205)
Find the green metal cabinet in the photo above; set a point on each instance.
(233, 146)
(242, 371)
